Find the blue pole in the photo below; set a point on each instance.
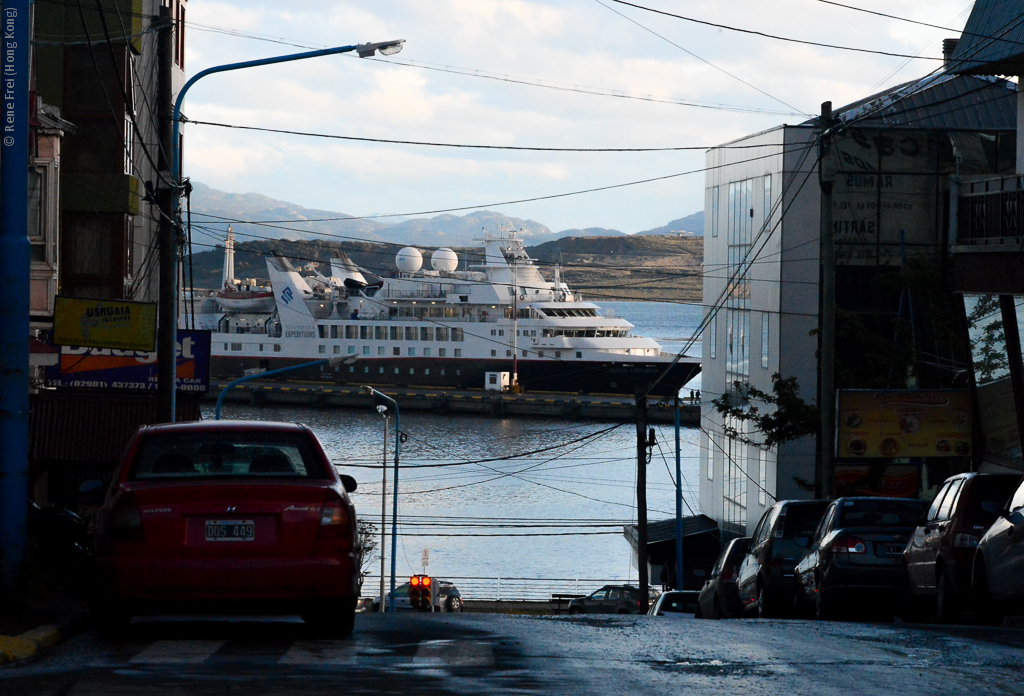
(271, 373)
(679, 508)
(394, 504)
(14, 298)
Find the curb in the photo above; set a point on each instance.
(29, 644)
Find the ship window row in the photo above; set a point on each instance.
(426, 352)
(412, 371)
(238, 346)
(586, 333)
(391, 333)
(570, 312)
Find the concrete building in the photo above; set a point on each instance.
(97, 67)
(893, 157)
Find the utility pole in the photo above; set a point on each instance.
(679, 505)
(14, 296)
(383, 507)
(167, 314)
(641, 497)
(826, 479)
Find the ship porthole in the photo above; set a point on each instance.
(612, 385)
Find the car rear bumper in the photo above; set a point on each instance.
(146, 579)
(865, 579)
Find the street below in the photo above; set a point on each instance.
(499, 654)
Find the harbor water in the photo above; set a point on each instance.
(522, 497)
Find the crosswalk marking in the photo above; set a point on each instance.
(311, 652)
(178, 652)
(453, 653)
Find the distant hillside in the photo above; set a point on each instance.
(691, 224)
(631, 267)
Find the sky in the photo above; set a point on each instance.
(580, 46)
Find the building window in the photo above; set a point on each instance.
(426, 352)
(712, 336)
(458, 352)
(508, 354)
(351, 350)
(558, 353)
(412, 352)
(579, 354)
(351, 368)
(712, 455)
(366, 350)
(396, 370)
(457, 335)
(334, 331)
(351, 332)
(396, 351)
(764, 338)
(364, 332)
(225, 346)
(540, 354)
(762, 476)
(714, 211)
(393, 333)
(237, 346)
(737, 349)
(380, 333)
(382, 370)
(524, 353)
(494, 353)
(426, 370)
(277, 348)
(441, 352)
(337, 350)
(501, 332)
(767, 200)
(322, 349)
(734, 484)
(412, 370)
(381, 350)
(410, 333)
(458, 373)
(442, 372)
(366, 370)
(322, 331)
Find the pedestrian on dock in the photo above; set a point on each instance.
(691, 397)
(698, 396)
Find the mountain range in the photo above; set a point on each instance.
(213, 210)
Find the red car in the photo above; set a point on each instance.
(227, 517)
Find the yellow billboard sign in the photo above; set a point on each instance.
(891, 424)
(122, 324)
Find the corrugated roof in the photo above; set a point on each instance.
(993, 40)
(938, 102)
(665, 530)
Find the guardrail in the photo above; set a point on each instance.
(501, 589)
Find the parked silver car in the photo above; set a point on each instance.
(998, 578)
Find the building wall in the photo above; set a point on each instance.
(757, 304)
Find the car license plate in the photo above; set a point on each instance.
(895, 549)
(230, 530)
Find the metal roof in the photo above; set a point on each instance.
(665, 530)
(938, 102)
(993, 40)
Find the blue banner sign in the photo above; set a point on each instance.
(106, 368)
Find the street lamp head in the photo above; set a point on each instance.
(386, 48)
(382, 409)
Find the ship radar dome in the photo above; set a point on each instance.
(409, 260)
(444, 260)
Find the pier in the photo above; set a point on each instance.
(598, 407)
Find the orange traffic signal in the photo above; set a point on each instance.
(414, 580)
(419, 592)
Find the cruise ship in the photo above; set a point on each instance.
(498, 325)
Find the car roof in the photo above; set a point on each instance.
(221, 426)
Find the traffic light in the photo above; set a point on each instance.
(420, 592)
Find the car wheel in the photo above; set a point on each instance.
(947, 608)
(109, 621)
(765, 607)
(455, 604)
(697, 613)
(824, 609)
(333, 620)
(573, 611)
(720, 612)
(987, 612)
(911, 606)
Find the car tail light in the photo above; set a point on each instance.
(966, 541)
(126, 521)
(334, 522)
(726, 574)
(849, 545)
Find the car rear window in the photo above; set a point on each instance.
(993, 490)
(802, 520)
(674, 603)
(880, 513)
(225, 455)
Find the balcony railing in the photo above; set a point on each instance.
(987, 212)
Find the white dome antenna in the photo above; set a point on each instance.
(444, 260)
(409, 260)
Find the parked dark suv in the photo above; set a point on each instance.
(610, 599)
(766, 573)
(939, 558)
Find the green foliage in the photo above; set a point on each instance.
(370, 543)
(985, 322)
(781, 417)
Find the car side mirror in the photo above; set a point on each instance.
(349, 483)
(803, 542)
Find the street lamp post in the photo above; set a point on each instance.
(391, 403)
(333, 362)
(383, 410)
(167, 339)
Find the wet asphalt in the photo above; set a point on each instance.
(500, 654)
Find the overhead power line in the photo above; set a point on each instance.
(469, 145)
(773, 36)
